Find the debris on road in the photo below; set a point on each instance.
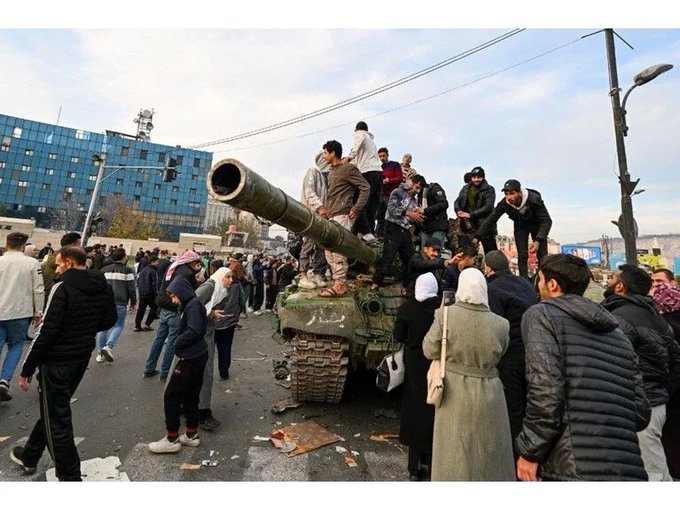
(282, 405)
(4, 438)
(357, 435)
(262, 439)
(281, 370)
(228, 391)
(260, 353)
(304, 437)
(234, 457)
(74, 400)
(212, 452)
(384, 437)
(250, 359)
(210, 463)
(340, 449)
(349, 460)
(187, 465)
(387, 413)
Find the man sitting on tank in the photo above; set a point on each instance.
(344, 179)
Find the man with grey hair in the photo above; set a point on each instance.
(406, 167)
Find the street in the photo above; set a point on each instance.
(117, 412)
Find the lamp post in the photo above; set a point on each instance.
(626, 222)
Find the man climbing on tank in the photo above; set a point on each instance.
(344, 179)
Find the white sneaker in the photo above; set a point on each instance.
(368, 238)
(250, 309)
(107, 352)
(99, 358)
(307, 283)
(189, 441)
(165, 446)
(257, 313)
(318, 280)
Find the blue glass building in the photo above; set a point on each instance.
(44, 166)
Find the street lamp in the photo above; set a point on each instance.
(626, 222)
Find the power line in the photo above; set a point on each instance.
(365, 95)
(443, 92)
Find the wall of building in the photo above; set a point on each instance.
(44, 166)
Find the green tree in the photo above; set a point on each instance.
(128, 222)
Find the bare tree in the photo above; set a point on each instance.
(68, 216)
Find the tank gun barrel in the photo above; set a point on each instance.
(231, 182)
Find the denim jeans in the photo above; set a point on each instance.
(168, 329)
(14, 332)
(110, 337)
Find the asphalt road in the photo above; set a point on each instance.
(117, 413)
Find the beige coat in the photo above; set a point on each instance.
(472, 438)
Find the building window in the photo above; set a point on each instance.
(124, 151)
(156, 186)
(138, 184)
(29, 152)
(180, 158)
(68, 189)
(92, 177)
(81, 206)
(119, 181)
(42, 209)
(15, 174)
(71, 175)
(17, 207)
(142, 154)
(49, 171)
(117, 195)
(194, 177)
(197, 162)
(137, 198)
(0, 180)
(161, 157)
(25, 168)
(4, 148)
(173, 201)
(52, 155)
(82, 135)
(175, 189)
(2, 164)
(17, 132)
(45, 186)
(192, 191)
(74, 159)
(23, 184)
(154, 200)
(193, 204)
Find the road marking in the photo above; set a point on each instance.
(142, 465)
(267, 464)
(97, 470)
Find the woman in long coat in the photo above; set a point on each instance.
(414, 318)
(472, 438)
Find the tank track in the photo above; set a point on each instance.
(319, 365)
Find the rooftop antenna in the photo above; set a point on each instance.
(144, 124)
(58, 116)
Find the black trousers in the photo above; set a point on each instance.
(183, 391)
(145, 301)
(380, 216)
(258, 295)
(522, 242)
(365, 223)
(489, 244)
(397, 241)
(54, 429)
(223, 341)
(417, 459)
(511, 374)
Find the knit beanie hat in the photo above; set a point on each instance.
(496, 260)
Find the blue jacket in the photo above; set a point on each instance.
(190, 343)
(147, 282)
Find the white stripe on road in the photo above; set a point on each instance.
(97, 470)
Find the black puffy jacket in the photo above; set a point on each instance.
(585, 398)
(80, 305)
(436, 217)
(418, 265)
(190, 342)
(484, 204)
(653, 340)
(533, 214)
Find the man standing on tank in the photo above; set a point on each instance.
(344, 180)
(475, 203)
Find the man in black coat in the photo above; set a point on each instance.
(475, 203)
(658, 353)
(465, 258)
(80, 305)
(432, 201)
(427, 261)
(526, 209)
(510, 296)
(585, 397)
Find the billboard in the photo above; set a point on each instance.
(591, 254)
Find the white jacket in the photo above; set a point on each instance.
(364, 153)
(22, 292)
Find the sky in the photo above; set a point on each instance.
(544, 120)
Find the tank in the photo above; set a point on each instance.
(329, 336)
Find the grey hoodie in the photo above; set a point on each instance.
(315, 184)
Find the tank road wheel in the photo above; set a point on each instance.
(318, 368)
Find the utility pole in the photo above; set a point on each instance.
(95, 195)
(626, 222)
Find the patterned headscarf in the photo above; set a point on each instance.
(185, 258)
(666, 298)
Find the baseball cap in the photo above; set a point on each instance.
(512, 185)
(477, 171)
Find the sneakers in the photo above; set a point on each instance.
(250, 309)
(190, 441)
(319, 281)
(306, 283)
(147, 328)
(258, 312)
(163, 377)
(137, 330)
(369, 238)
(17, 456)
(107, 352)
(209, 423)
(149, 374)
(165, 445)
(99, 358)
(5, 394)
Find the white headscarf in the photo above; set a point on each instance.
(220, 292)
(472, 287)
(426, 287)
